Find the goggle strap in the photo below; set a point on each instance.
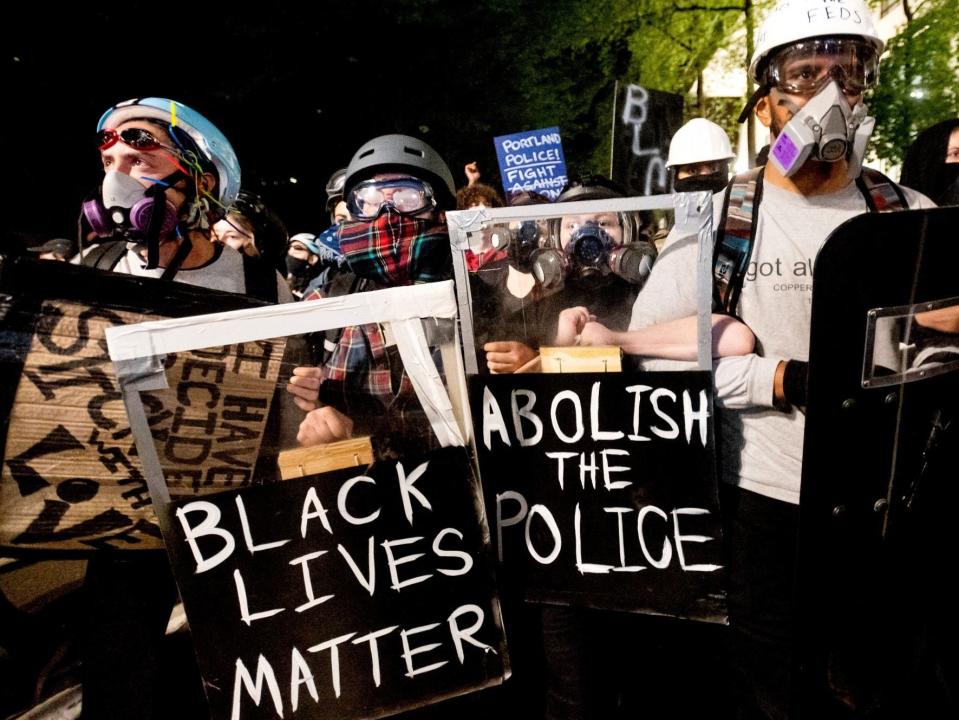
(760, 92)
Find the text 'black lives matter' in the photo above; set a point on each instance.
(356, 593)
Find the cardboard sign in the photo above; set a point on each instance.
(646, 121)
(532, 160)
(601, 489)
(71, 478)
(208, 424)
(357, 593)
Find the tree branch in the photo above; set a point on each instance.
(718, 8)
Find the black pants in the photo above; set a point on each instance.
(606, 665)
(129, 596)
(760, 536)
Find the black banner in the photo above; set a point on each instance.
(645, 121)
(601, 488)
(349, 594)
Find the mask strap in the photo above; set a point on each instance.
(186, 245)
(157, 191)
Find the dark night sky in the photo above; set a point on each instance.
(296, 91)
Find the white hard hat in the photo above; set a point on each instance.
(791, 21)
(699, 140)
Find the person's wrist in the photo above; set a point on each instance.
(779, 392)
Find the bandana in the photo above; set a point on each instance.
(395, 249)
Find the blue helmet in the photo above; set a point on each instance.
(211, 143)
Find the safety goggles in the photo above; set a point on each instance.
(804, 68)
(135, 137)
(407, 195)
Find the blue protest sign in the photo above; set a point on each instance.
(532, 160)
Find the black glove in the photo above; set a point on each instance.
(795, 380)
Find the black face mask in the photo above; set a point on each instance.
(714, 183)
(299, 273)
(949, 177)
(296, 268)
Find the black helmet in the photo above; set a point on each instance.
(590, 187)
(401, 154)
(334, 188)
(596, 187)
(269, 232)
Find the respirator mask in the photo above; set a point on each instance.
(126, 206)
(827, 128)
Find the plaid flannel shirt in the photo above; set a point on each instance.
(361, 362)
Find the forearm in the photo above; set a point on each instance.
(677, 339)
(945, 320)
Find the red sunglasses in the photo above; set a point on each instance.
(135, 137)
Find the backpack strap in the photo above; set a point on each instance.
(881, 193)
(737, 230)
(106, 255)
(735, 238)
(259, 279)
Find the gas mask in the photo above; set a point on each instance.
(519, 240)
(826, 128)
(590, 256)
(125, 205)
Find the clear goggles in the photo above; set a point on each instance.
(407, 195)
(804, 68)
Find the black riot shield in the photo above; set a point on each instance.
(876, 633)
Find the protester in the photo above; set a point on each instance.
(482, 250)
(812, 67)
(169, 176)
(252, 228)
(302, 262)
(932, 163)
(397, 189)
(335, 204)
(699, 155)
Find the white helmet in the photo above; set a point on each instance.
(699, 140)
(791, 21)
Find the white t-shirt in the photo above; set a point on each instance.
(223, 271)
(762, 447)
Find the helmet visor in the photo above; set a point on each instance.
(804, 68)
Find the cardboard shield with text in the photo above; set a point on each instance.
(601, 489)
(876, 626)
(71, 478)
